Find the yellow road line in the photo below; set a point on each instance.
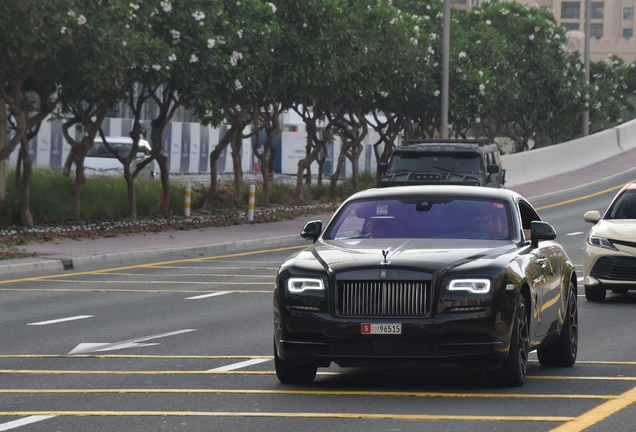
(366, 416)
(115, 290)
(581, 378)
(269, 276)
(142, 356)
(583, 197)
(147, 282)
(150, 265)
(312, 393)
(130, 372)
(240, 372)
(214, 268)
(599, 413)
(138, 356)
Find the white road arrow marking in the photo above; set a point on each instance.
(23, 422)
(132, 343)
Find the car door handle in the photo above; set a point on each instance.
(542, 261)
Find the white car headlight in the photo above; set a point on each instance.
(601, 242)
(474, 286)
(298, 285)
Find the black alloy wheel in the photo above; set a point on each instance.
(513, 371)
(563, 352)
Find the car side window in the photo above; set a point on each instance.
(527, 216)
(624, 207)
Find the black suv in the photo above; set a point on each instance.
(450, 162)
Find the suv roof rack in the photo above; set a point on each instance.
(479, 142)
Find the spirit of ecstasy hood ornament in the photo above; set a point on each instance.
(385, 253)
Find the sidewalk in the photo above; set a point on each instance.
(59, 256)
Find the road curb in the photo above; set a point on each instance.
(96, 262)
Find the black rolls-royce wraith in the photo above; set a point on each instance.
(449, 274)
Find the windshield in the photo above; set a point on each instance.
(99, 150)
(624, 207)
(437, 162)
(453, 218)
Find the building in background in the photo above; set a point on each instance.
(612, 30)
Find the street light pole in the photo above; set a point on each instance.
(443, 133)
(585, 127)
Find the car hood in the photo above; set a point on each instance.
(616, 229)
(428, 255)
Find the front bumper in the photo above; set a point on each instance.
(463, 338)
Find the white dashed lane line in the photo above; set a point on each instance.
(206, 295)
(55, 321)
(238, 365)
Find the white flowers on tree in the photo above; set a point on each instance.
(235, 57)
(166, 6)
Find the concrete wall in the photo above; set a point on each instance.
(570, 156)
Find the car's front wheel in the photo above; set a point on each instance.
(563, 351)
(595, 294)
(513, 371)
(289, 373)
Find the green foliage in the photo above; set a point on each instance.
(105, 198)
(612, 87)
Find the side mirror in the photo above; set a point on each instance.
(140, 155)
(382, 168)
(540, 230)
(312, 230)
(493, 169)
(592, 216)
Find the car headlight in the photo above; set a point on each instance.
(299, 285)
(601, 242)
(474, 286)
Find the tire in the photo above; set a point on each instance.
(563, 352)
(595, 294)
(513, 371)
(288, 373)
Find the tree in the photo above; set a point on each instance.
(533, 79)
(610, 103)
(34, 34)
(112, 40)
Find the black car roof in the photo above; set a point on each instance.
(409, 191)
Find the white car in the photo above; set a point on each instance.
(100, 161)
(609, 253)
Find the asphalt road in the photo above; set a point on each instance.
(187, 345)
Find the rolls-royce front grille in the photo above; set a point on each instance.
(615, 268)
(384, 299)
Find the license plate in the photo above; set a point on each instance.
(381, 328)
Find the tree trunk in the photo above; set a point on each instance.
(24, 178)
(3, 138)
(130, 188)
(355, 172)
(214, 158)
(267, 184)
(342, 157)
(236, 145)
